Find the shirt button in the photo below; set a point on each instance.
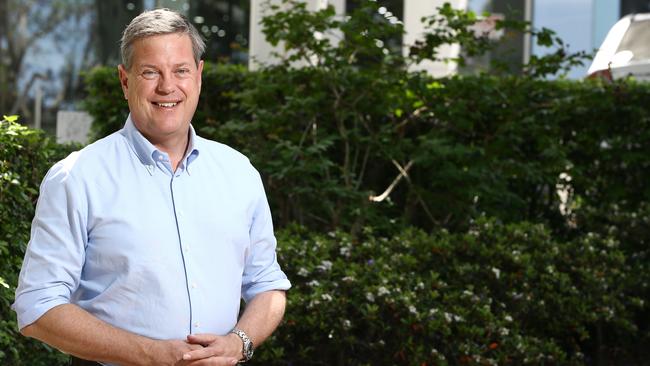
(196, 324)
(160, 157)
(194, 285)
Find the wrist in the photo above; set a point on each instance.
(246, 344)
(150, 350)
(236, 346)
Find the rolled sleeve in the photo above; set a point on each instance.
(262, 272)
(55, 254)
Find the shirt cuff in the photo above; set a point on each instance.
(258, 288)
(29, 307)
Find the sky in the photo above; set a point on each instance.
(574, 21)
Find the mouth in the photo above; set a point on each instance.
(166, 105)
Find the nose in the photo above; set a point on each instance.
(165, 83)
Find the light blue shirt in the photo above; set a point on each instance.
(158, 253)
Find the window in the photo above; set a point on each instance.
(225, 25)
(634, 6)
(391, 11)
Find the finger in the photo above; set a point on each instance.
(202, 353)
(204, 339)
(195, 346)
(213, 361)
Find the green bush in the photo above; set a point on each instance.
(25, 156)
(480, 145)
(495, 295)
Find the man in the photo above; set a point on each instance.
(144, 242)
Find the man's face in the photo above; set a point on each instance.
(162, 87)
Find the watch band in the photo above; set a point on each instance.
(247, 347)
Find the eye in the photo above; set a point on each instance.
(149, 74)
(183, 72)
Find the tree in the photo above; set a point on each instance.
(23, 24)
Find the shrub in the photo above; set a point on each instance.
(104, 102)
(25, 156)
(496, 294)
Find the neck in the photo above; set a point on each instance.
(174, 147)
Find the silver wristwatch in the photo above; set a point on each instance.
(247, 348)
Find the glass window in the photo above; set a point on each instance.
(390, 10)
(634, 6)
(508, 54)
(225, 26)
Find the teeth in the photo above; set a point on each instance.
(168, 105)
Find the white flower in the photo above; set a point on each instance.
(413, 310)
(325, 266)
(313, 283)
(370, 297)
(326, 297)
(550, 269)
(381, 291)
(348, 279)
(345, 251)
(497, 272)
(313, 303)
(303, 272)
(508, 318)
(347, 324)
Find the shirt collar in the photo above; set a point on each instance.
(146, 151)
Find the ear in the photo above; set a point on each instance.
(124, 80)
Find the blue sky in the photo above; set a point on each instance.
(572, 20)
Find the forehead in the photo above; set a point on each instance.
(173, 47)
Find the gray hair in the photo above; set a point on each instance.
(157, 22)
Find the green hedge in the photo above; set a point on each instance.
(480, 146)
(25, 156)
(495, 295)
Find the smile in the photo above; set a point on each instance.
(166, 105)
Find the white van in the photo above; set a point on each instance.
(625, 51)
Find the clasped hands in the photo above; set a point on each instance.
(208, 350)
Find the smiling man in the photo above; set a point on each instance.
(144, 242)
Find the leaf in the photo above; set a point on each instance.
(12, 118)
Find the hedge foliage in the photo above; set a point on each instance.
(25, 156)
(496, 294)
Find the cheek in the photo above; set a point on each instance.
(191, 88)
(140, 93)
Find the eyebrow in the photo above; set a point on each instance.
(142, 66)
